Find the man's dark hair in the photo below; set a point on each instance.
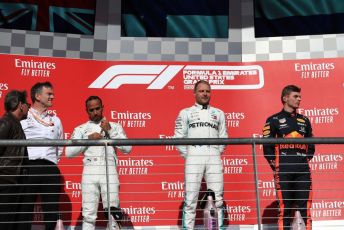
(13, 98)
(288, 89)
(37, 89)
(199, 82)
(90, 98)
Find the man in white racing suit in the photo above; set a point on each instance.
(201, 121)
(94, 172)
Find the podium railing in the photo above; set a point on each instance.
(253, 142)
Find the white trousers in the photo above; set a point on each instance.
(197, 166)
(94, 184)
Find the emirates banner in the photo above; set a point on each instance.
(146, 97)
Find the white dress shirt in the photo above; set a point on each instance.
(43, 126)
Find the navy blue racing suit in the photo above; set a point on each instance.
(290, 163)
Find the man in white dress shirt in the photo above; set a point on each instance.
(94, 174)
(43, 173)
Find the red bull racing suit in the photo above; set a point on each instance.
(290, 163)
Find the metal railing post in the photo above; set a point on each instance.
(107, 188)
(255, 169)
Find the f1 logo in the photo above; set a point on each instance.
(156, 76)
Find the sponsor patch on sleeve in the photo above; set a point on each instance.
(301, 120)
(266, 132)
(266, 127)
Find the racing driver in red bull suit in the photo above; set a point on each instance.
(290, 162)
(201, 121)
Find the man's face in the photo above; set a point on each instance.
(94, 110)
(293, 100)
(45, 97)
(202, 94)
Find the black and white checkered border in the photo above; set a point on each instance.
(106, 44)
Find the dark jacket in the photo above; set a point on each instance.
(11, 157)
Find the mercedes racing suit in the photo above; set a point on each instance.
(94, 172)
(201, 122)
(290, 164)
